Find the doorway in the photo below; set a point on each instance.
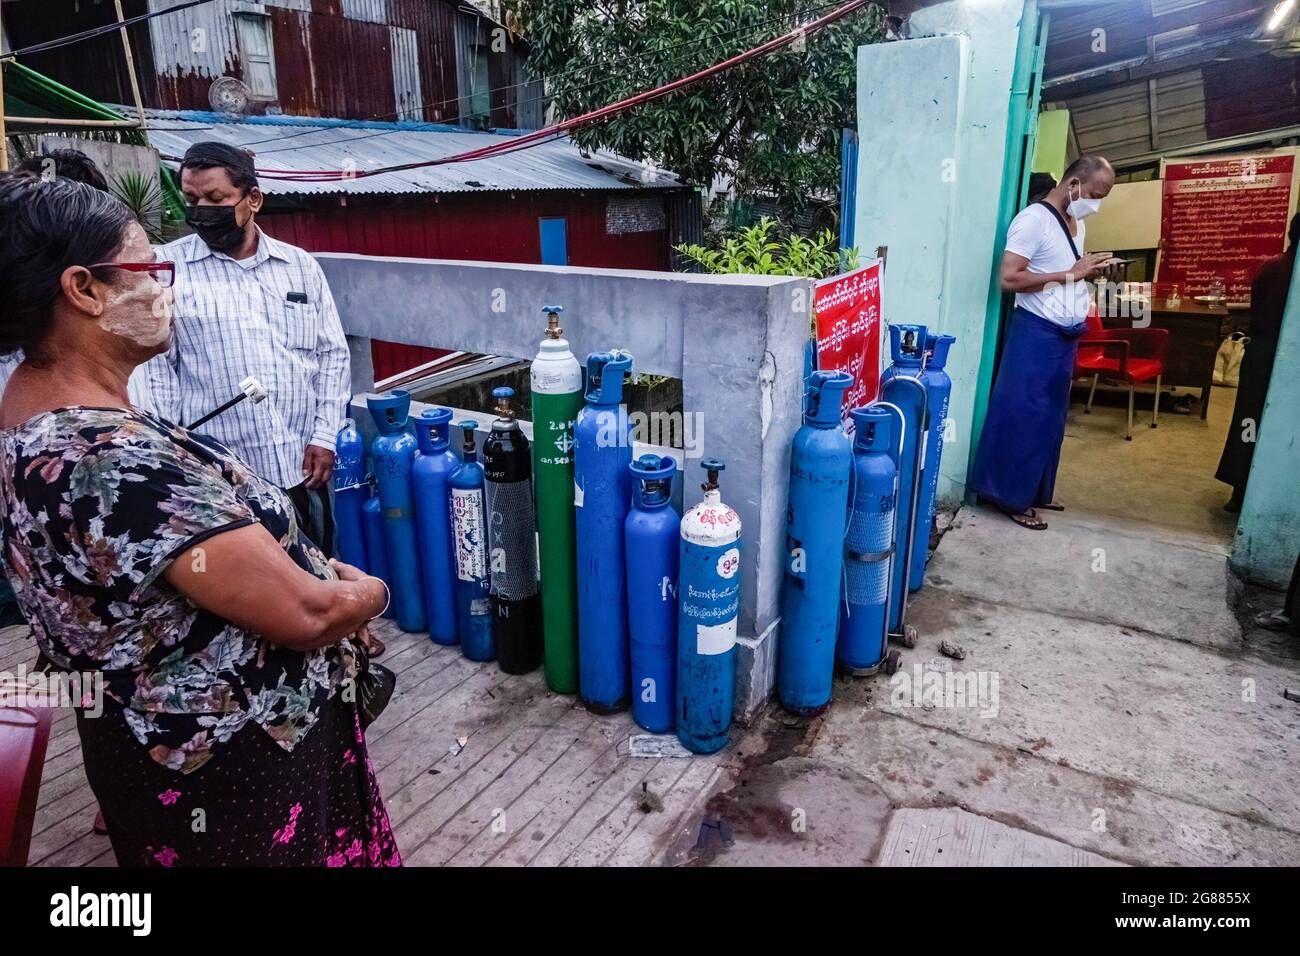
(1163, 91)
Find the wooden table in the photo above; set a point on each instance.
(1195, 333)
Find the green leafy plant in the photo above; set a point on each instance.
(143, 196)
(771, 125)
(756, 249)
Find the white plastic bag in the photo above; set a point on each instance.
(1227, 363)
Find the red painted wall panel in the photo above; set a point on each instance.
(484, 227)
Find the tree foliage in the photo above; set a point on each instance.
(772, 124)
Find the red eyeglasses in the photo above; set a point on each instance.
(164, 273)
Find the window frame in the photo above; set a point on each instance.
(249, 19)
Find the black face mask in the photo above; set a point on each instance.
(217, 226)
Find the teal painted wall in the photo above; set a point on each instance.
(1268, 530)
(932, 133)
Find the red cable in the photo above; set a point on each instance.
(528, 139)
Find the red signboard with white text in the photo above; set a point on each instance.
(849, 330)
(1222, 218)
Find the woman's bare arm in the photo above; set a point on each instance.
(245, 576)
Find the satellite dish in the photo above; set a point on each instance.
(228, 94)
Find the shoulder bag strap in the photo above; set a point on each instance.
(1064, 228)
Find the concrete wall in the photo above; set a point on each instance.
(932, 127)
(736, 342)
(1268, 531)
(114, 160)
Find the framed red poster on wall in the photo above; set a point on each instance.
(1222, 218)
(849, 330)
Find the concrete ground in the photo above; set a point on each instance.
(1164, 476)
(1109, 710)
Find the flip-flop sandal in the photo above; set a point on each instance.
(376, 648)
(1274, 621)
(1028, 519)
(1054, 506)
(99, 826)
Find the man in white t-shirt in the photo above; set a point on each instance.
(1045, 266)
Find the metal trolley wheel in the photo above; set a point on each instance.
(909, 636)
(893, 661)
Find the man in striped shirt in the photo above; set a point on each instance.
(247, 304)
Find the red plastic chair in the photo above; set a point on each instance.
(1134, 356)
(24, 733)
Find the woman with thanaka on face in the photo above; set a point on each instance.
(157, 562)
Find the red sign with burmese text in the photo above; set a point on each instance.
(849, 329)
(1222, 218)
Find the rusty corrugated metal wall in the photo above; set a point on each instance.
(406, 73)
(354, 59)
(341, 67)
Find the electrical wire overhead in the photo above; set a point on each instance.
(653, 55)
(97, 31)
(558, 129)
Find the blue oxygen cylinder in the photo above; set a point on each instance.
(602, 491)
(938, 388)
(430, 475)
(393, 452)
(708, 595)
(814, 561)
(372, 526)
(350, 495)
(469, 539)
(652, 535)
(869, 543)
(900, 385)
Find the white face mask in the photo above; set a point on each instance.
(1081, 208)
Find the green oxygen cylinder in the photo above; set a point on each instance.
(557, 398)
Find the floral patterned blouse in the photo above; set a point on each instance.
(97, 503)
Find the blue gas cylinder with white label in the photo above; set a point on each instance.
(469, 541)
(708, 598)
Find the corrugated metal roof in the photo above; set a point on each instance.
(300, 144)
(1117, 122)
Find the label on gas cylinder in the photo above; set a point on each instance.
(715, 639)
(554, 441)
(348, 471)
(710, 595)
(471, 543)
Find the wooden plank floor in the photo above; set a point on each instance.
(539, 781)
